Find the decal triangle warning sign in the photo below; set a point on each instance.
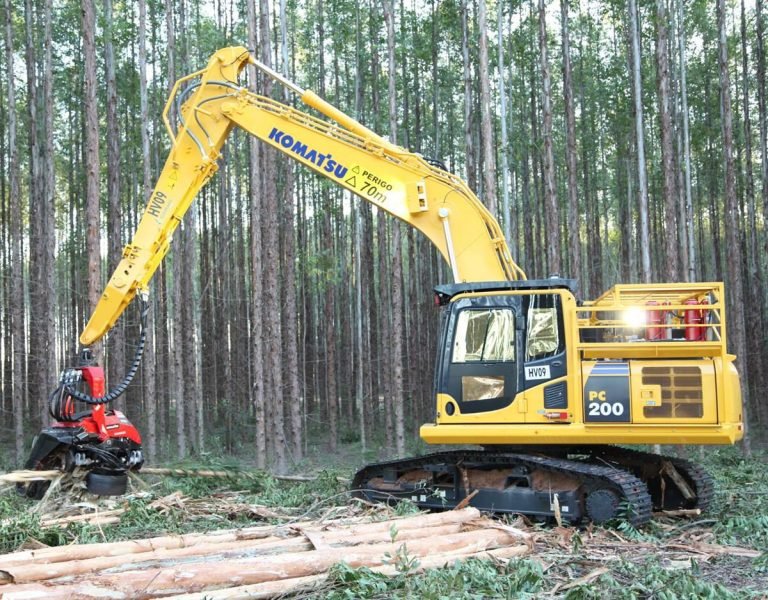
(352, 181)
(356, 169)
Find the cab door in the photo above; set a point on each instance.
(480, 367)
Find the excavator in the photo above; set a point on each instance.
(547, 388)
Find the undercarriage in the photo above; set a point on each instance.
(593, 483)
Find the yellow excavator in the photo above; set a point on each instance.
(547, 384)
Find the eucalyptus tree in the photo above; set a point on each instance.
(734, 254)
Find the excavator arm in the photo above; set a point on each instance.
(399, 182)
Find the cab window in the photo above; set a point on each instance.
(543, 327)
(484, 336)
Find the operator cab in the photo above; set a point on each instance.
(498, 340)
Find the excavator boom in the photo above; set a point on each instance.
(399, 182)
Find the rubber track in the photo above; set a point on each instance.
(633, 491)
(702, 481)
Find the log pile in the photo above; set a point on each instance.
(261, 561)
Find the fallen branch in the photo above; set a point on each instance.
(683, 512)
(228, 474)
(589, 577)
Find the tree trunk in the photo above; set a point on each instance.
(271, 282)
(92, 236)
(574, 242)
(359, 232)
(469, 150)
(762, 112)
(116, 357)
(173, 277)
(290, 306)
(146, 187)
(507, 216)
(756, 289)
(667, 158)
(486, 117)
(47, 309)
(17, 257)
(734, 256)
(257, 294)
(551, 208)
(398, 397)
(691, 245)
(642, 183)
(37, 383)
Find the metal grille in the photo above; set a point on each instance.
(556, 396)
(682, 396)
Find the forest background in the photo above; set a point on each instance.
(615, 142)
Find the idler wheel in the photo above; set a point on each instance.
(602, 505)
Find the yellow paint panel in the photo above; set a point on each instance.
(578, 433)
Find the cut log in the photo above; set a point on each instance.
(26, 573)
(332, 531)
(197, 577)
(38, 572)
(270, 589)
(84, 551)
(415, 522)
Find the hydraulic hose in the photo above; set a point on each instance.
(120, 388)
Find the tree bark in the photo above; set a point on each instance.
(642, 183)
(486, 116)
(116, 356)
(146, 188)
(257, 295)
(17, 257)
(551, 208)
(469, 150)
(271, 282)
(762, 111)
(756, 290)
(92, 164)
(290, 305)
(173, 276)
(736, 329)
(153, 582)
(359, 245)
(397, 399)
(507, 215)
(691, 245)
(574, 242)
(667, 158)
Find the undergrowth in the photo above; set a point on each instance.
(525, 578)
(737, 517)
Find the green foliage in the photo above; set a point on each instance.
(741, 484)
(469, 579)
(403, 562)
(760, 564)
(18, 525)
(405, 508)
